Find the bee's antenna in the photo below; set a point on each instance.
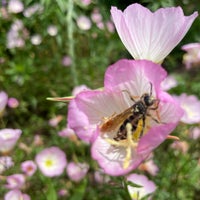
(151, 86)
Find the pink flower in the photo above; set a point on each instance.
(169, 82)
(13, 102)
(83, 23)
(16, 195)
(66, 132)
(194, 133)
(90, 112)
(192, 57)
(51, 161)
(150, 167)
(100, 177)
(77, 171)
(5, 163)
(15, 6)
(148, 186)
(191, 106)
(148, 35)
(181, 146)
(86, 2)
(3, 101)
(8, 138)
(55, 120)
(28, 167)
(15, 181)
(66, 61)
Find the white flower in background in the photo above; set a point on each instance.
(8, 139)
(15, 6)
(36, 39)
(138, 193)
(83, 23)
(52, 30)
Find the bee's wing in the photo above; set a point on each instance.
(115, 121)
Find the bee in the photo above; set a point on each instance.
(133, 115)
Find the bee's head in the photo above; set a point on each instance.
(148, 99)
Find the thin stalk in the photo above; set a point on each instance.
(70, 31)
(126, 189)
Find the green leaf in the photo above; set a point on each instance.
(133, 184)
(79, 191)
(51, 192)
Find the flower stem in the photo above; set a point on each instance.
(126, 189)
(70, 30)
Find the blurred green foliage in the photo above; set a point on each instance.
(32, 73)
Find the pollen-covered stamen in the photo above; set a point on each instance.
(130, 143)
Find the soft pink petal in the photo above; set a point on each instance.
(131, 70)
(148, 35)
(111, 159)
(90, 107)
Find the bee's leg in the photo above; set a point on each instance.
(154, 119)
(131, 97)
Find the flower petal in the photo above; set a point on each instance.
(148, 35)
(111, 159)
(89, 109)
(131, 70)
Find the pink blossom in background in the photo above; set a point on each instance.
(101, 177)
(169, 83)
(38, 140)
(55, 120)
(96, 16)
(51, 161)
(28, 167)
(8, 138)
(77, 171)
(194, 133)
(15, 181)
(110, 26)
(13, 102)
(5, 163)
(34, 8)
(67, 132)
(89, 109)
(150, 167)
(192, 56)
(191, 106)
(151, 35)
(138, 193)
(181, 146)
(52, 30)
(79, 89)
(83, 22)
(16, 195)
(63, 193)
(66, 61)
(100, 25)
(16, 35)
(86, 2)
(15, 6)
(3, 101)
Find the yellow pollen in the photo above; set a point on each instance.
(48, 163)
